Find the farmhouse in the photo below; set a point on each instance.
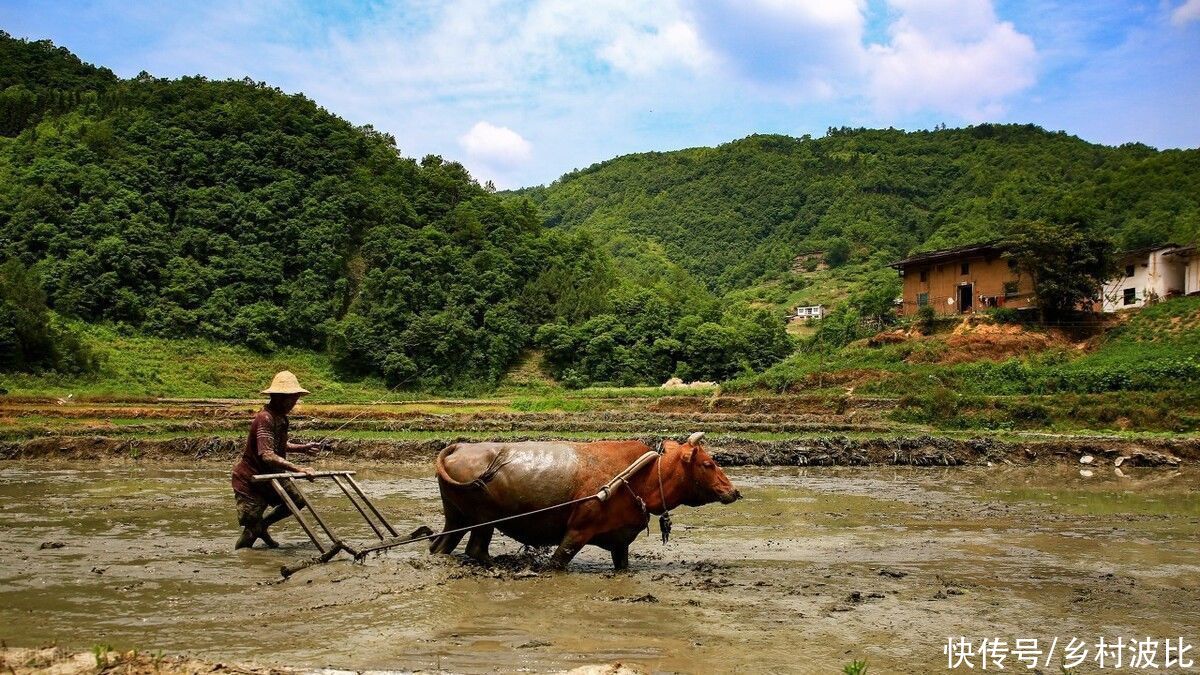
(963, 280)
(809, 312)
(1147, 275)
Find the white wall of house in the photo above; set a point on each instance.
(1191, 274)
(1155, 275)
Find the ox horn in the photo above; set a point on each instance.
(694, 439)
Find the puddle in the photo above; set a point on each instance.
(789, 578)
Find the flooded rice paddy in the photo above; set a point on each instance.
(814, 568)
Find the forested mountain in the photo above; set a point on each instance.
(745, 209)
(232, 211)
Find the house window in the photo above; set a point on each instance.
(1010, 289)
(1129, 270)
(924, 275)
(966, 268)
(922, 299)
(1012, 263)
(1130, 296)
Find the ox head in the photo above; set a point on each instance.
(705, 481)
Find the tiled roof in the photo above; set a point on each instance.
(950, 254)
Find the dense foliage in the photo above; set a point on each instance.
(645, 337)
(38, 78)
(30, 338)
(742, 211)
(1068, 262)
(233, 212)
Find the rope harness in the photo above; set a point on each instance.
(664, 521)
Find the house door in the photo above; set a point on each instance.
(966, 297)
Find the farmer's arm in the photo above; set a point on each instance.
(302, 447)
(266, 451)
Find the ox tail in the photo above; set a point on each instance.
(479, 482)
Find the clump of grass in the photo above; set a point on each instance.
(101, 652)
(857, 667)
(549, 403)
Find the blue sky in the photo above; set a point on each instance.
(522, 92)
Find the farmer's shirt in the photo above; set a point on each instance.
(265, 452)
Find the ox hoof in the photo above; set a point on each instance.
(246, 540)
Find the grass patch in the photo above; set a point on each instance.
(141, 366)
(551, 403)
(1157, 349)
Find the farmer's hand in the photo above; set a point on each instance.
(312, 446)
(308, 472)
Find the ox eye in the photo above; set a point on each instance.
(709, 464)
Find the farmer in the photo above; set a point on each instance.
(266, 452)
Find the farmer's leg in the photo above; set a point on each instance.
(250, 517)
(278, 513)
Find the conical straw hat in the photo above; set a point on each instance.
(285, 383)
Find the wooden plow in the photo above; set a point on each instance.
(333, 544)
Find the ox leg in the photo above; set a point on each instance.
(477, 545)
(566, 550)
(620, 557)
(446, 543)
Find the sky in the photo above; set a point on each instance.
(523, 91)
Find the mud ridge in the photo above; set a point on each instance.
(921, 450)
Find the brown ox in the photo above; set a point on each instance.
(481, 482)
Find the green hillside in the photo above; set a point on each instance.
(1141, 370)
(741, 213)
(231, 212)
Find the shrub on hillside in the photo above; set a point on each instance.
(1004, 315)
(31, 338)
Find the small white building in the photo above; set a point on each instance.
(1146, 275)
(810, 312)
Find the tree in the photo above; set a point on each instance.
(30, 339)
(1068, 263)
(876, 299)
(838, 253)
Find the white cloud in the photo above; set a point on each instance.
(1188, 11)
(584, 81)
(498, 147)
(950, 56)
(646, 52)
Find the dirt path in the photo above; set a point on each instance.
(815, 567)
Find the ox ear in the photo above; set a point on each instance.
(694, 439)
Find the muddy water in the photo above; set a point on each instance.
(787, 579)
